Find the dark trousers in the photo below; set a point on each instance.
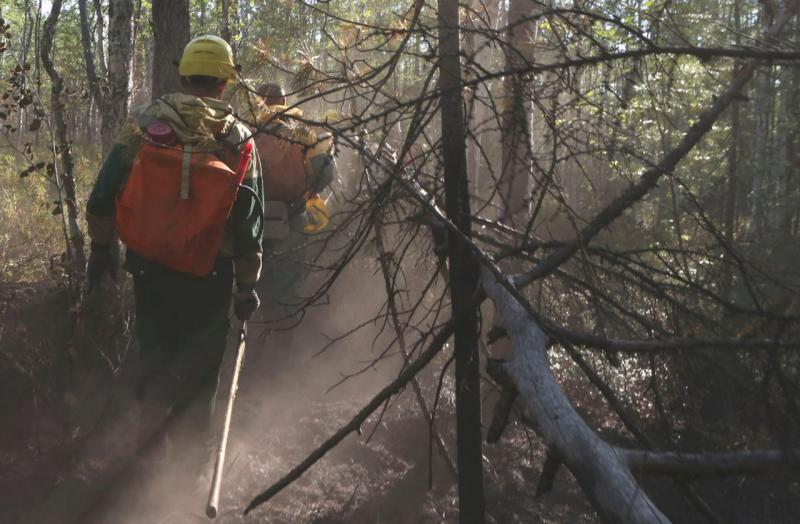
(181, 329)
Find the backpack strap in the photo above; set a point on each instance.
(185, 167)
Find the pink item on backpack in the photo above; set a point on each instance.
(161, 133)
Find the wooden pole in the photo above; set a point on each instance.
(216, 479)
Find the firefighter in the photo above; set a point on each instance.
(298, 164)
(271, 94)
(184, 266)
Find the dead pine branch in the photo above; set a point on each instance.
(436, 344)
(384, 260)
(713, 464)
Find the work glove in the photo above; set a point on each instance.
(100, 263)
(245, 301)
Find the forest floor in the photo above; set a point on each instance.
(284, 410)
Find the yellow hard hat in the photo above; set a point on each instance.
(207, 55)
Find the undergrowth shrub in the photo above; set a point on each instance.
(32, 240)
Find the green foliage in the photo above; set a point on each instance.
(32, 238)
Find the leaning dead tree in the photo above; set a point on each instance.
(602, 471)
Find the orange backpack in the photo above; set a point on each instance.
(283, 163)
(286, 149)
(175, 204)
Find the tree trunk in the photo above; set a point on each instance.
(790, 98)
(763, 157)
(729, 222)
(88, 56)
(479, 49)
(100, 37)
(37, 69)
(25, 41)
(516, 174)
(225, 21)
(120, 52)
(27, 31)
(463, 270)
(65, 181)
(170, 35)
(114, 102)
(517, 146)
(790, 186)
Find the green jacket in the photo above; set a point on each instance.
(194, 121)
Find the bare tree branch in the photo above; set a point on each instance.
(436, 344)
(650, 177)
(712, 464)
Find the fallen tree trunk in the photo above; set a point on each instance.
(601, 471)
(604, 472)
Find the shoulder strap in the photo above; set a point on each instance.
(185, 168)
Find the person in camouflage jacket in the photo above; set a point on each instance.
(182, 319)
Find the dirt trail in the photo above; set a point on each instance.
(283, 412)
